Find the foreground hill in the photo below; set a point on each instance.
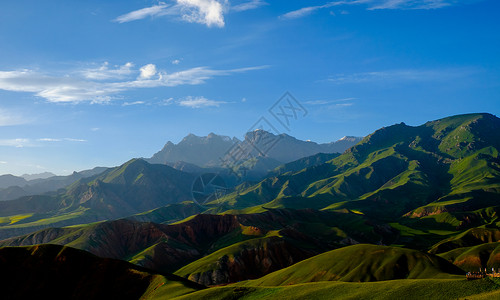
(56, 272)
(362, 263)
(384, 290)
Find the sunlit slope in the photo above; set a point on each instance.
(450, 165)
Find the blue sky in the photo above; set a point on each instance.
(95, 83)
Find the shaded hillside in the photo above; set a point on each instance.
(361, 263)
(468, 238)
(56, 272)
(473, 258)
(134, 187)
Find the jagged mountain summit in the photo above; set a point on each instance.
(201, 151)
(216, 150)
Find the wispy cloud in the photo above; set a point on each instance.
(372, 5)
(403, 75)
(25, 142)
(61, 140)
(153, 11)
(199, 102)
(206, 12)
(74, 88)
(18, 143)
(9, 118)
(253, 4)
(133, 103)
(325, 102)
(104, 72)
(332, 104)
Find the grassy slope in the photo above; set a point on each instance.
(362, 263)
(394, 289)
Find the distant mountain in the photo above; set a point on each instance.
(19, 186)
(285, 148)
(11, 180)
(131, 188)
(258, 153)
(43, 175)
(201, 151)
(57, 272)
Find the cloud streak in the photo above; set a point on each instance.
(25, 142)
(9, 118)
(436, 75)
(75, 88)
(372, 5)
(206, 12)
(199, 102)
(253, 4)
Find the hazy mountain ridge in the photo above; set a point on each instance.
(213, 150)
(12, 187)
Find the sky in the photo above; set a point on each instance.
(98, 82)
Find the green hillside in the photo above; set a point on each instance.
(362, 263)
(387, 290)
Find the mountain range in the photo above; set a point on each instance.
(414, 203)
(222, 151)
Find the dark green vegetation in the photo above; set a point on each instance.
(57, 272)
(431, 193)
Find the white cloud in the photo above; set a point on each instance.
(199, 102)
(104, 72)
(9, 118)
(153, 11)
(72, 88)
(403, 75)
(372, 5)
(133, 103)
(253, 4)
(18, 143)
(75, 140)
(324, 102)
(176, 61)
(3, 162)
(147, 71)
(207, 12)
(49, 140)
(25, 142)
